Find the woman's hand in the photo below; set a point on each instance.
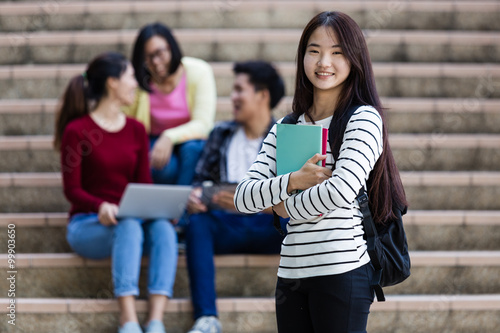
(161, 152)
(194, 204)
(224, 199)
(280, 210)
(309, 175)
(107, 213)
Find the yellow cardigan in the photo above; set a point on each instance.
(201, 98)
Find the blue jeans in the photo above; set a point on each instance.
(180, 169)
(331, 303)
(125, 243)
(220, 232)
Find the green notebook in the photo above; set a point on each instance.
(295, 144)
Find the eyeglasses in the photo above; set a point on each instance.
(160, 53)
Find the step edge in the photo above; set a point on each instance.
(393, 105)
(287, 68)
(418, 258)
(398, 303)
(412, 218)
(397, 140)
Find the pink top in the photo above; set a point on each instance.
(169, 110)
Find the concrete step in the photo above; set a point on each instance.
(28, 15)
(68, 275)
(400, 313)
(36, 232)
(426, 231)
(44, 47)
(416, 80)
(405, 115)
(413, 152)
(42, 192)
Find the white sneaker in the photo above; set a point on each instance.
(206, 324)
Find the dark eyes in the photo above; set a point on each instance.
(335, 52)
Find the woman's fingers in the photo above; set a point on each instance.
(309, 175)
(316, 158)
(113, 211)
(158, 158)
(225, 199)
(327, 172)
(323, 171)
(161, 152)
(107, 213)
(195, 204)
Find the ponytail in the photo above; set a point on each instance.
(90, 86)
(73, 105)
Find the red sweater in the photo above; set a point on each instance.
(97, 165)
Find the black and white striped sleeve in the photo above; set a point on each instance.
(262, 188)
(361, 147)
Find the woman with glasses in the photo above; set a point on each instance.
(175, 102)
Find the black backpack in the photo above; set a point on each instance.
(386, 242)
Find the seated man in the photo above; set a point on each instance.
(229, 152)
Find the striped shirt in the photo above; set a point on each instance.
(325, 232)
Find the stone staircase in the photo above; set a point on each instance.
(436, 64)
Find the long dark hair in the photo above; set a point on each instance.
(385, 188)
(87, 87)
(142, 74)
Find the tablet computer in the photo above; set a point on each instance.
(153, 201)
(210, 189)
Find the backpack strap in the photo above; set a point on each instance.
(290, 118)
(277, 224)
(371, 236)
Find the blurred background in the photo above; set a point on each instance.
(437, 68)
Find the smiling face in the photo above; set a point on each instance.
(123, 88)
(324, 63)
(157, 57)
(247, 102)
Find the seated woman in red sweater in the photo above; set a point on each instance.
(102, 151)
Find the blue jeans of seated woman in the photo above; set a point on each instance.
(180, 169)
(126, 243)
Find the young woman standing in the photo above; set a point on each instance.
(325, 272)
